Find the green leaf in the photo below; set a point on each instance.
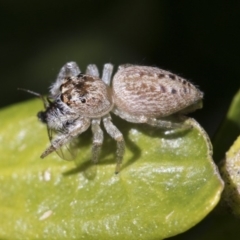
(167, 184)
(231, 164)
(230, 171)
(229, 129)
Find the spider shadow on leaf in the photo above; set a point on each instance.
(108, 151)
(107, 156)
(155, 132)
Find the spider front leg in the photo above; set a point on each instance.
(97, 139)
(118, 137)
(77, 127)
(68, 70)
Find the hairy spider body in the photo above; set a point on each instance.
(139, 94)
(152, 92)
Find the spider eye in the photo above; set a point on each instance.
(83, 100)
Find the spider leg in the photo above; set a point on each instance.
(68, 70)
(167, 124)
(155, 122)
(97, 139)
(80, 126)
(107, 73)
(118, 137)
(92, 70)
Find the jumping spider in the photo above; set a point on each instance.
(139, 94)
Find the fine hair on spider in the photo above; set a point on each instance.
(138, 94)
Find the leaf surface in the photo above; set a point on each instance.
(167, 184)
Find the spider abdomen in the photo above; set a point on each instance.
(152, 92)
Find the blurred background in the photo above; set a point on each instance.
(198, 40)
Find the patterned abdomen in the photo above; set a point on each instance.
(152, 92)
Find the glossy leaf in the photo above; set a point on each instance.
(167, 184)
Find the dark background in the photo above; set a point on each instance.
(198, 40)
